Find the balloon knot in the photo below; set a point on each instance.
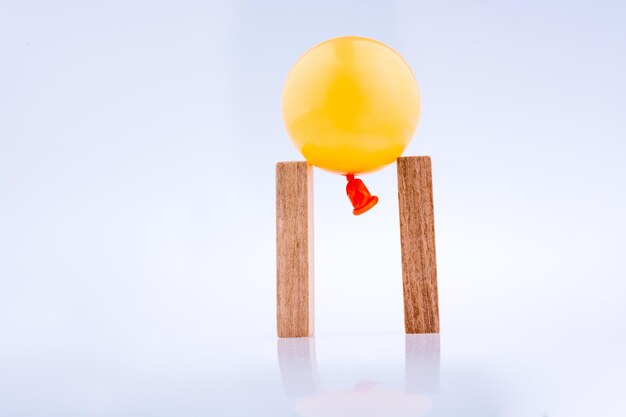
(359, 195)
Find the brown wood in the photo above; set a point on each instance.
(294, 249)
(417, 236)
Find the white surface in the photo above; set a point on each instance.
(137, 149)
(328, 376)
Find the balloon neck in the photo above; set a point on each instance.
(359, 195)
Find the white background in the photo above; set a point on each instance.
(137, 150)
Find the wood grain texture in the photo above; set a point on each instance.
(417, 235)
(294, 249)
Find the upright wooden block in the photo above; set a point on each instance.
(294, 249)
(417, 235)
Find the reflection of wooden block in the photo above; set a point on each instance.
(298, 366)
(421, 363)
(294, 249)
(417, 235)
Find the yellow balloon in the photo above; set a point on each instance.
(351, 105)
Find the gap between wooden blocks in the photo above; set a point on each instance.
(294, 247)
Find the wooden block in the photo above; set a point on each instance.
(294, 249)
(417, 236)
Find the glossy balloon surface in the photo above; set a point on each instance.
(351, 105)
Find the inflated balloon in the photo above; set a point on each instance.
(351, 106)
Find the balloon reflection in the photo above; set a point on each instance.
(298, 368)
